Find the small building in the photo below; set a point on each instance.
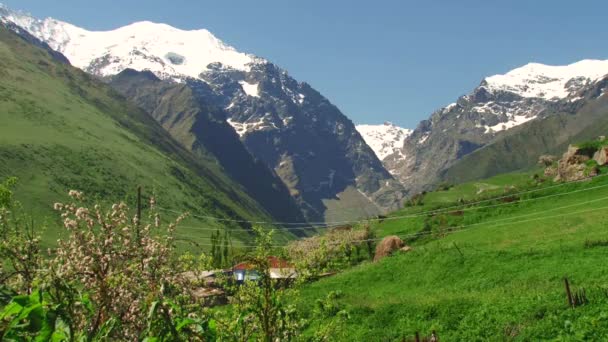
(279, 269)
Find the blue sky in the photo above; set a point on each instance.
(377, 60)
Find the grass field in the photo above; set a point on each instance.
(493, 273)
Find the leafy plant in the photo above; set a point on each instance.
(259, 309)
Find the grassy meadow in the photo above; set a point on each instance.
(478, 274)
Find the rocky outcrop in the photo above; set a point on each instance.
(601, 156)
(573, 165)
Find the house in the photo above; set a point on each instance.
(279, 269)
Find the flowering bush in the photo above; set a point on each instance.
(112, 275)
(19, 245)
(333, 250)
(115, 277)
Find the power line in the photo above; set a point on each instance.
(419, 214)
(456, 229)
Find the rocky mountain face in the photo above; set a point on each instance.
(305, 139)
(563, 122)
(202, 128)
(315, 150)
(499, 107)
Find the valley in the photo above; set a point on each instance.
(158, 184)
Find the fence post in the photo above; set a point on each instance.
(138, 213)
(570, 301)
(417, 337)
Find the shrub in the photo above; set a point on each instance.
(112, 277)
(333, 250)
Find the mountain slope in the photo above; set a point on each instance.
(493, 110)
(202, 128)
(286, 124)
(310, 144)
(62, 129)
(563, 123)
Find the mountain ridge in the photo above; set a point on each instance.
(298, 133)
(499, 105)
(84, 135)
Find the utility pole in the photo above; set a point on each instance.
(138, 223)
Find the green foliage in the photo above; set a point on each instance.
(32, 317)
(444, 186)
(596, 243)
(168, 320)
(221, 245)
(111, 276)
(6, 193)
(591, 168)
(259, 309)
(591, 146)
(416, 200)
(332, 251)
(19, 244)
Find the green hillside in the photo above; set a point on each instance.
(489, 270)
(61, 129)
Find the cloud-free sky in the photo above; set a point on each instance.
(379, 60)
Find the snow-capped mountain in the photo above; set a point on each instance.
(165, 50)
(286, 124)
(384, 139)
(497, 106)
(548, 82)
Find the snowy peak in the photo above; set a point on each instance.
(384, 139)
(167, 51)
(547, 81)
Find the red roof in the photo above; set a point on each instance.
(273, 261)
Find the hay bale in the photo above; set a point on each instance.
(387, 246)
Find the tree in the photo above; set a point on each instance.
(259, 308)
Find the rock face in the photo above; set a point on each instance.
(499, 107)
(573, 165)
(387, 246)
(305, 139)
(601, 156)
(203, 129)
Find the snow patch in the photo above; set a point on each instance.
(251, 89)
(248, 126)
(514, 121)
(423, 138)
(449, 107)
(384, 139)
